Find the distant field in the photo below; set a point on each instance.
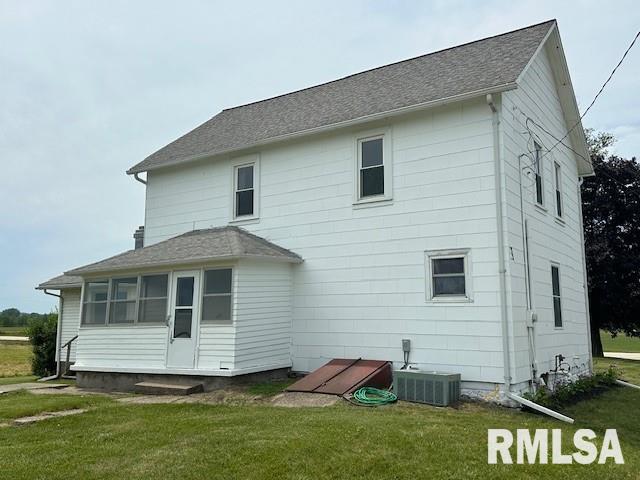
(621, 343)
(15, 359)
(14, 331)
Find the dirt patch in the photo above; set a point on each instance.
(302, 399)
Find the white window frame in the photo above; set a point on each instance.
(387, 163)
(557, 184)
(431, 255)
(231, 295)
(538, 169)
(250, 160)
(559, 296)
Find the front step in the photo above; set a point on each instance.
(151, 388)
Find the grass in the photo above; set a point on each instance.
(629, 370)
(268, 389)
(15, 359)
(24, 404)
(193, 441)
(19, 379)
(621, 343)
(14, 331)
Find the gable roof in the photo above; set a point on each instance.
(61, 282)
(194, 247)
(484, 66)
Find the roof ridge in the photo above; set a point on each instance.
(453, 47)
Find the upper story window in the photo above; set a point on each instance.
(244, 190)
(373, 169)
(448, 275)
(128, 300)
(558, 187)
(537, 169)
(555, 290)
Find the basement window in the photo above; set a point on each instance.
(216, 297)
(448, 277)
(555, 291)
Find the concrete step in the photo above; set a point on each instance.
(152, 388)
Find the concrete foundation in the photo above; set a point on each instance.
(125, 382)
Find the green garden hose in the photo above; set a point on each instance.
(372, 397)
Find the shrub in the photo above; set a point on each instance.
(572, 392)
(42, 334)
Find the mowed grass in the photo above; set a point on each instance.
(194, 441)
(621, 343)
(628, 370)
(14, 331)
(15, 359)
(24, 404)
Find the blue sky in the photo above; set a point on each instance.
(88, 89)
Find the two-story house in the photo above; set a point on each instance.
(428, 200)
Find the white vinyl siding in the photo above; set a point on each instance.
(70, 321)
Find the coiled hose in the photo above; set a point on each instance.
(372, 397)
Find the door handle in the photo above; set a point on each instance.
(168, 320)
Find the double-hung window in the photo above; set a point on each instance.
(244, 198)
(555, 291)
(448, 275)
(127, 300)
(373, 168)
(537, 170)
(558, 187)
(216, 296)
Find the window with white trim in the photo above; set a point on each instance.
(555, 292)
(216, 296)
(244, 191)
(558, 187)
(373, 173)
(125, 300)
(448, 276)
(537, 170)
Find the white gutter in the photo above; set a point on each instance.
(627, 384)
(58, 336)
(497, 161)
(335, 126)
(540, 408)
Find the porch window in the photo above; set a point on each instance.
(153, 299)
(94, 308)
(124, 296)
(216, 297)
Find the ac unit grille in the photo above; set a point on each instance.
(434, 388)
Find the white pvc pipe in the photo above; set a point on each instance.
(540, 408)
(625, 384)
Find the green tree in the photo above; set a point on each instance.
(42, 332)
(611, 208)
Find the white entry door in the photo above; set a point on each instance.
(183, 325)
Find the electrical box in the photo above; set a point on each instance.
(406, 345)
(434, 388)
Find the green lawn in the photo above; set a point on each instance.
(24, 404)
(621, 343)
(14, 331)
(15, 359)
(629, 370)
(192, 441)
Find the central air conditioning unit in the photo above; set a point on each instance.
(434, 388)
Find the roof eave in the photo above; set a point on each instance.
(334, 126)
(58, 286)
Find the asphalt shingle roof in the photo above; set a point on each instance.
(61, 282)
(194, 247)
(494, 62)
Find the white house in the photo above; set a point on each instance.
(427, 200)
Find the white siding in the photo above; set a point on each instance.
(124, 347)
(70, 320)
(361, 288)
(550, 240)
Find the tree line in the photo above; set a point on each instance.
(12, 317)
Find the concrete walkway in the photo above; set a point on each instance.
(10, 338)
(623, 355)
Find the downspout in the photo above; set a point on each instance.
(501, 257)
(585, 278)
(58, 336)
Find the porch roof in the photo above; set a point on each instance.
(197, 246)
(61, 282)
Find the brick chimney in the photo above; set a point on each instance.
(138, 237)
